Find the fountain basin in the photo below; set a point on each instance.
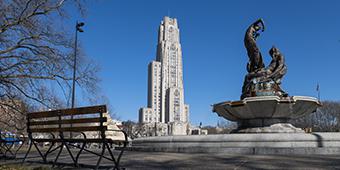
(266, 113)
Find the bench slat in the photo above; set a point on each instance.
(69, 129)
(69, 121)
(65, 112)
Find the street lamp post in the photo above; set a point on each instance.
(78, 29)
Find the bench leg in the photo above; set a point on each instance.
(1, 152)
(69, 151)
(29, 149)
(81, 149)
(1, 148)
(19, 148)
(120, 155)
(101, 156)
(49, 150)
(116, 162)
(42, 156)
(113, 158)
(8, 149)
(56, 158)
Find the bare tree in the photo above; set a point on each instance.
(325, 119)
(36, 56)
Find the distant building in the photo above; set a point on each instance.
(166, 107)
(198, 131)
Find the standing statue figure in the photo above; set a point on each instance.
(255, 58)
(261, 80)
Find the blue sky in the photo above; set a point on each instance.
(121, 36)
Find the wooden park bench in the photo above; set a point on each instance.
(58, 124)
(7, 143)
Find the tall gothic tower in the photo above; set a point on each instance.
(165, 82)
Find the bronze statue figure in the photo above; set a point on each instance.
(261, 80)
(255, 58)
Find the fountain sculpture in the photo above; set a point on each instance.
(264, 106)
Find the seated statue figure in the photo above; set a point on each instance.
(277, 68)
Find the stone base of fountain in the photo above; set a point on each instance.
(243, 143)
(273, 128)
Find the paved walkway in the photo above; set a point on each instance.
(157, 160)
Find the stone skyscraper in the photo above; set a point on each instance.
(166, 106)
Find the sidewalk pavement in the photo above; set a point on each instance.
(160, 160)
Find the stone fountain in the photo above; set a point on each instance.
(262, 114)
(264, 107)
